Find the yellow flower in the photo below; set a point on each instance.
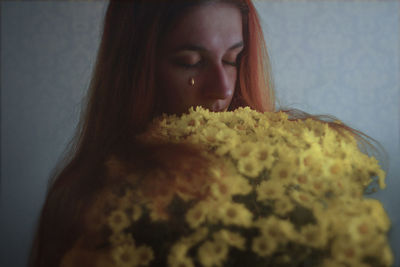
(303, 198)
(283, 206)
(213, 253)
(190, 122)
(208, 135)
(284, 171)
(124, 256)
(197, 214)
(360, 228)
(239, 185)
(264, 246)
(310, 160)
(269, 190)
(335, 168)
(229, 182)
(118, 221)
(231, 238)
(375, 209)
(244, 150)
(227, 135)
(314, 235)
(199, 235)
(386, 255)
(144, 255)
(264, 155)
(377, 247)
(250, 166)
(224, 148)
(346, 252)
(319, 186)
(234, 185)
(274, 228)
(234, 213)
(178, 253)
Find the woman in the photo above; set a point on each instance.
(155, 57)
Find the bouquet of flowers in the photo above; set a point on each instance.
(262, 190)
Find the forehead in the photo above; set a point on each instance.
(213, 26)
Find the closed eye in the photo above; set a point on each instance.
(234, 63)
(188, 66)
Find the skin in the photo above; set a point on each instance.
(205, 45)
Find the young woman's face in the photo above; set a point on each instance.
(203, 47)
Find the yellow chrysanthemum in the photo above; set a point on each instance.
(144, 255)
(250, 166)
(377, 246)
(118, 221)
(264, 155)
(239, 185)
(234, 213)
(375, 209)
(284, 171)
(318, 186)
(178, 253)
(227, 135)
(229, 182)
(310, 160)
(303, 198)
(264, 246)
(190, 122)
(279, 230)
(124, 256)
(197, 214)
(208, 136)
(234, 185)
(269, 190)
(212, 253)
(199, 235)
(314, 235)
(346, 252)
(283, 206)
(231, 238)
(244, 150)
(360, 228)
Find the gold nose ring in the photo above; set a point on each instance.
(191, 81)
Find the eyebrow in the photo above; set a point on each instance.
(192, 47)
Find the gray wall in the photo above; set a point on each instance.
(333, 57)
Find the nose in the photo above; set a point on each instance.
(221, 83)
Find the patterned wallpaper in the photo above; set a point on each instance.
(332, 57)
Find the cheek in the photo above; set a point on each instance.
(175, 89)
(233, 76)
(168, 82)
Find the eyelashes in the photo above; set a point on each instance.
(188, 66)
(201, 63)
(234, 64)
